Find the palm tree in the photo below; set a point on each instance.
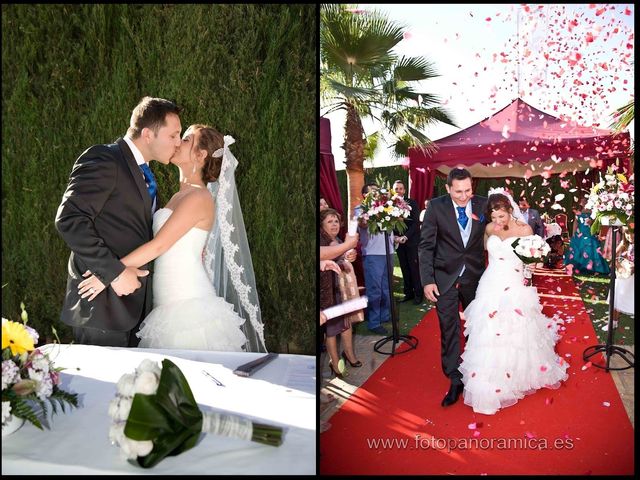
(361, 75)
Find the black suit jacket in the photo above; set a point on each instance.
(535, 222)
(104, 215)
(413, 225)
(441, 250)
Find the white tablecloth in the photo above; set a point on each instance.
(282, 393)
(551, 229)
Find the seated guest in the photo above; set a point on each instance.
(555, 256)
(584, 249)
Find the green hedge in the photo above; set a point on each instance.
(73, 73)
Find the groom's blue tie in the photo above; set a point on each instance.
(149, 179)
(462, 217)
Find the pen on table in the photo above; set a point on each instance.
(218, 382)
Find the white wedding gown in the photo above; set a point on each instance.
(510, 350)
(187, 313)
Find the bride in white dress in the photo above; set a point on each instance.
(204, 295)
(510, 348)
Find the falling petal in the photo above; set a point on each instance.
(472, 426)
(606, 404)
(519, 312)
(586, 365)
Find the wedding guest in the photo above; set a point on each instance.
(625, 276)
(584, 249)
(375, 272)
(330, 294)
(556, 254)
(424, 210)
(531, 216)
(323, 204)
(407, 250)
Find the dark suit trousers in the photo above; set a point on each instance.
(447, 306)
(97, 336)
(110, 338)
(408, 259)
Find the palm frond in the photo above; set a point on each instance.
(623, 116)
(349, 92)
(409, 69)
(371, 145)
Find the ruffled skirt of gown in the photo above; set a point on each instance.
(510, 350)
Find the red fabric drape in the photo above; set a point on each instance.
(331, 193)
(421, 184)
(328, 179)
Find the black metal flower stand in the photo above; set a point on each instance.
(410, 341)
(609, 348)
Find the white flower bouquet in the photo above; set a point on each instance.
(611, 197)
(154, 415)
(384, 211)
(531, 249)
(29, 379)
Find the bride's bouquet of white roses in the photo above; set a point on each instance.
(154, 415)
(531, 249)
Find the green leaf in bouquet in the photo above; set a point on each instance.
(175, 405)
(596, 225)
(175, 397)
(147, 419)
(170, 444)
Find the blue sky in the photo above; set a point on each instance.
(473, 48)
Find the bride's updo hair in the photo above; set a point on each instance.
(498, 201)
(210, 140)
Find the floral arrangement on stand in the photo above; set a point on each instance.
(29, 379)
(611, 199)
(384, 211)
(154, 415)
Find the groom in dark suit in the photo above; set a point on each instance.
(451, 254)
(105, 213)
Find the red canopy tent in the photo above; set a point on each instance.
(518, 141)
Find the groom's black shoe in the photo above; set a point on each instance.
(452, 395)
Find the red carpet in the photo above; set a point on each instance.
(394, 423)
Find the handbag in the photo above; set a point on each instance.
(348, 286)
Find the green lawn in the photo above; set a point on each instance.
(593, 290)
